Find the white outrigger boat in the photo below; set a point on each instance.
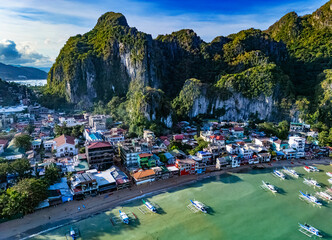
(124, 217)
(309, 198)
(279, 174)
(199, 206)
(311, 182)
(309, 230)
(311, 169)
(291, 172)
(329, 174)
(269, 187)
(324, 195)
(149, 206)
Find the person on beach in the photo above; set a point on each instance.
(79, 208)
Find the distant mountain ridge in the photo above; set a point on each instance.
(9, 72)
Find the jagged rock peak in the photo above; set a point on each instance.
(112, 19)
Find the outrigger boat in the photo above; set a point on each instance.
(309, 198)
(124, 217)
(325, 195)
(269, 187)
(149, 206)
(309, 230)
(311, 169)
(311, 182)
(329, 174)
(279, 174)
(74, 233)
(199, 206)
(291, 172)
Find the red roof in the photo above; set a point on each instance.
(64, 139)
(217, 137)
(178, 137)
(142, 155)
(99, 145)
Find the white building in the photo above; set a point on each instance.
(232, 149)
(297, 143)
(70, 122)
(65, 146)
(246, 153)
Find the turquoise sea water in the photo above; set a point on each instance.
(240, 209)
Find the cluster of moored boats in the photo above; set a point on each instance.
(325, 195)
(198, 206)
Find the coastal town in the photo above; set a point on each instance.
(92, 155)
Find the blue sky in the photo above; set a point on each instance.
(33, 31)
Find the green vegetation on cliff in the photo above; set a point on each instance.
(257, 81)
(146, 79)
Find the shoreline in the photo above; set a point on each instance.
(52, 218)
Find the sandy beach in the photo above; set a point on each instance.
(63, 214)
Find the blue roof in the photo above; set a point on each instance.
(168, 155)
(202, 152)
(279, 153)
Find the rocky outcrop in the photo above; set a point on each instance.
(247, 74)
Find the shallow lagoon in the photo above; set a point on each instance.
(240, 209)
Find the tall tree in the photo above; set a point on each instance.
(21, 167)
(52, 174)
(23, 141)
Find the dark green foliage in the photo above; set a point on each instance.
(10, 93)
(75, 131)
(270, 129)
(23, 197)
(201, 145)
(256, 81)
(21, 167)
(52, 174)
(23, 141)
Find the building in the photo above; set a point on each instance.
(83, 184)
(246, 153)
(146, 160)
(298, 127)
(105, 180)
(200, 166)
(205, 156)
(97, 122)
(279, 145)
(289, 153)
(148, 135)
(100, 154)
(114, 136)
(92, 136)
(36, 144)
(129, 152)
(69, 122)
(65, 146)
(144, 176)
(3, 145)
(48, 145)
(122, 180)
(161, 173)
(186, 166)
(238, 132)
(297, 143)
